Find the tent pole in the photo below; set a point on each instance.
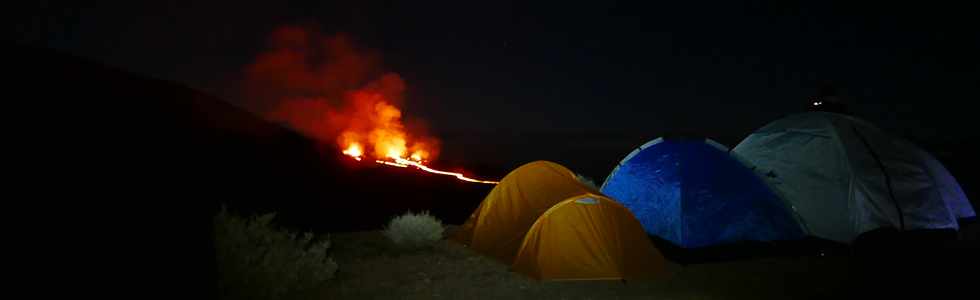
(888, 179)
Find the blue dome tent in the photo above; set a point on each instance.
(693, 193)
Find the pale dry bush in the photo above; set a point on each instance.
(414, 231)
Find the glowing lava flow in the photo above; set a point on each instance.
(354, 150)
(431, 170)
(390, 163)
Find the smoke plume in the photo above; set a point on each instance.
(329, 89)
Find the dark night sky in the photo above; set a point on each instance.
(601, 76)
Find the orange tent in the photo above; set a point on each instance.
(588, 237)
(499, 224)
(549, 225)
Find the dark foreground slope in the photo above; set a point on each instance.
(175, 141)
(150, 162)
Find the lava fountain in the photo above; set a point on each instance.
(329, 89)
(384, 133)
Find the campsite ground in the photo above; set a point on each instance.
(370, 268)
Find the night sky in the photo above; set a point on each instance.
(506, 84)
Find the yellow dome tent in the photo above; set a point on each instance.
(499, 224)
(588, 237)
(601, 241)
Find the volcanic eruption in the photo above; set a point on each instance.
(328, 89)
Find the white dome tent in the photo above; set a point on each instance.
(845, 177)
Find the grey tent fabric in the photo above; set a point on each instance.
(844, 176)
(948, 187)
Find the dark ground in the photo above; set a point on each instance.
(452, 271)
(149, 162)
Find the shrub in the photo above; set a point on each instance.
(586, 181)
(414, 231)
(257, 260)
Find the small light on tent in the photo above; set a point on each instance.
(817, 103)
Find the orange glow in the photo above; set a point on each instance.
(329, 89)
(417, 156)
(375, 126)
(391, 164)
(401, 162)
(431, 170)
(354, 150)
(375, 129)
(385, 135)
